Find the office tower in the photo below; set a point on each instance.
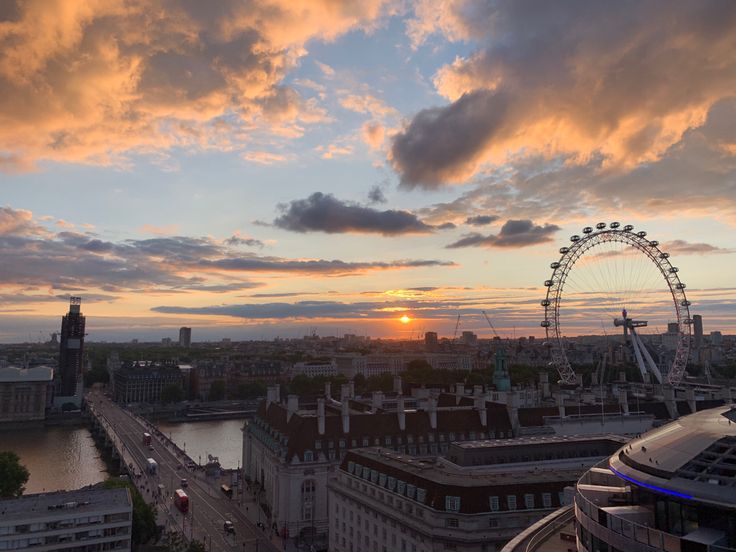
(71, 348)
(185, 337)
(430, 340)
(698, 331)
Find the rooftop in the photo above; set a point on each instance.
(46, 504)
(35, 374)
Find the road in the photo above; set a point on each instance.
(208, 508)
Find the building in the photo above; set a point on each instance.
(205, 373)
(430, 341)
(89, 520)
(185, 337)
(71, 348)
(469, 338)
(143, 381)
(476, 499)
(25, 393)
(697, 332)
(313, 369)
(292, 448)
(672, 489)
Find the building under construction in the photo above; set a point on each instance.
(71, 351)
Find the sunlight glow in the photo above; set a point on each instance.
(405, 319)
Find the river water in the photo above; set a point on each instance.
(57, 457)
(222, 438)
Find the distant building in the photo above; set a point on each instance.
(25, 393)
(185, 337)
(142, 382)
(71, 349)
(697, 332)
(430, 341)
(469, 339)
(475, 499)
(89, 519)
(314, 369)
(166, 342)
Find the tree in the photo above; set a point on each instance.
(172, 393)
(144, 515)
(217, 391)
(13, 475)
(196, 546)
(251, 390)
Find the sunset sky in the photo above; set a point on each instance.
(261, 168)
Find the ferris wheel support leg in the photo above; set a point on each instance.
(637, 353)
(650, 361)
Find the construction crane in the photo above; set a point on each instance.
(457, 325)
(491, 324)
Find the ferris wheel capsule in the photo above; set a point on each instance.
(587, 230)
(545, 302)
(642, 234)
(685, 303)
(564, 250)
(555, 265)
(549, 283)
(674, 270)
(654, 243)
(574, 238)
(680, 285)
(545, 324)
(687, 321)
(664, 255)
(600, 225)
(628, 228)
(615, 225)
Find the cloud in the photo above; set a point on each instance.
(373, 134)
(336, 149)
(682, 247)
(514, 233)
(367, 104)
(95, 82)
(481, 220)
(264, 157)
(36, 259)
(375, 195)
(325, 213)
(237, 239)
(583, 80)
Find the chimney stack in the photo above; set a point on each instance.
(328, 390)
(272, 394)
(292, 405)
(480, 406)
(377, 400)
(321, 416)
(432, 410)
(345, 409)
(401, 413)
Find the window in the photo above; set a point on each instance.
(387, 440)
(511, 502)
(452, 503)
(401, 487)
(365, 441)
(308, 456)
(451, 522)
(547, 500)
(493, 523)
(529, 501)
(495, 503)
(308, 494)
(411, 491)
(421, 495)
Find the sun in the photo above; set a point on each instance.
(405, 319)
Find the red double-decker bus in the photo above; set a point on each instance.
(181, 501)
(147, 439)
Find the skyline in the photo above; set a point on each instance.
(267, 169)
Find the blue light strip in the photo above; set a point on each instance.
(648, 486)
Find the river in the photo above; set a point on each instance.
(222, 438)
(57, 457)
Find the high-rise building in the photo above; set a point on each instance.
(185, 337)
(430, 340)
(698, 331)
(71, 348)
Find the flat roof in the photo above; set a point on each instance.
(537, 440)
(64, 503)
(13, 374)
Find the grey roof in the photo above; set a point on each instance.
(690, 456)
(14, 374)
(47, 504)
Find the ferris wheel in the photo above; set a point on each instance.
(622, 281)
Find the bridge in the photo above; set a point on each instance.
(208, 507)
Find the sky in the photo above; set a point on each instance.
(266, 168)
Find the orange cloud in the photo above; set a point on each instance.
(94, 81)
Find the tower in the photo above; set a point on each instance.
(698, 331)
(185, 337)
(71, 347)
(501, 378)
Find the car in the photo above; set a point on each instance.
(184, 482)
(150, 447)
(260, 524)
(228, 527)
